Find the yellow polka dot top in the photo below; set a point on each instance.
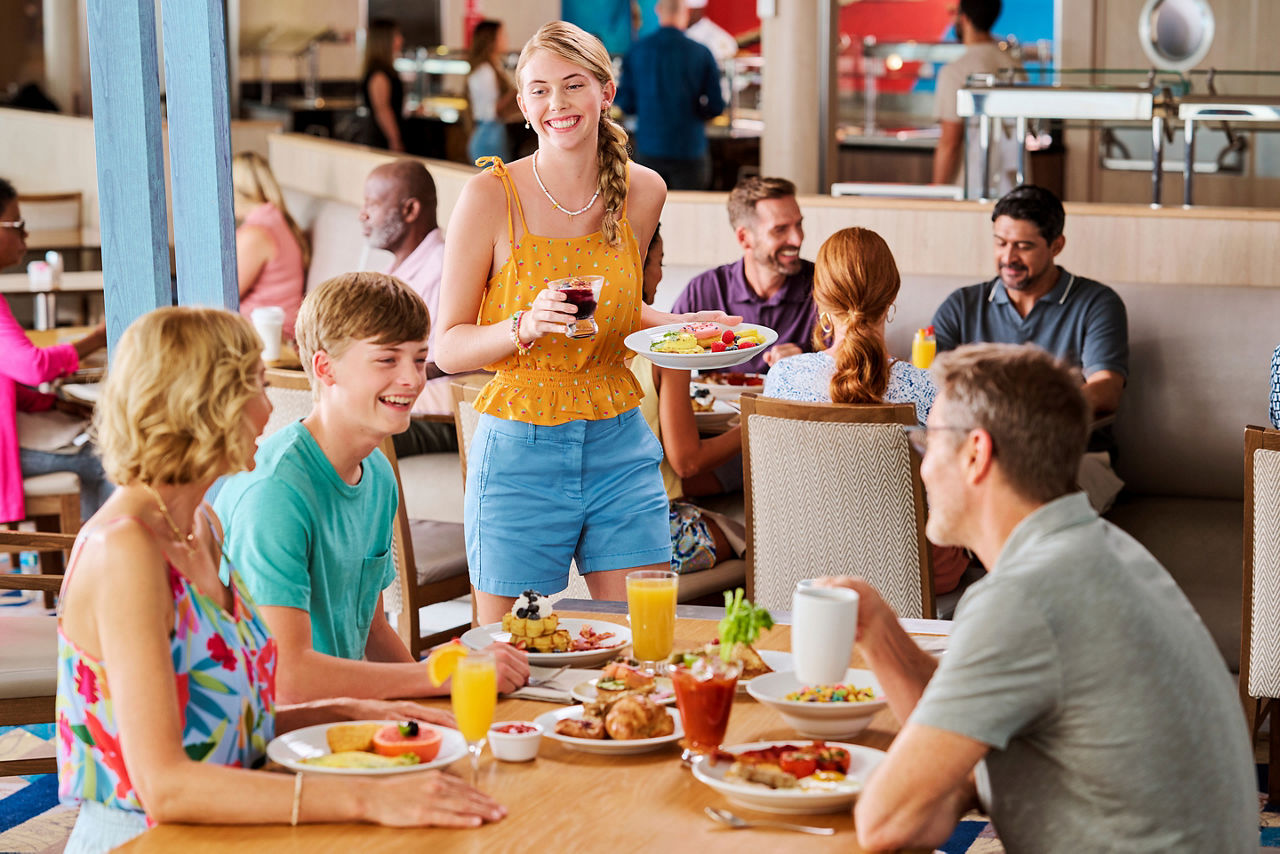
(562, 379)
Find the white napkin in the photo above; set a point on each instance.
(558, 690)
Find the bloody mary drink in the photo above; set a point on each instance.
(704, 695)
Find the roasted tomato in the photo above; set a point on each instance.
(798, 763)
(833, 759)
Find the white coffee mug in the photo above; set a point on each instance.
(824, 625)
(269, 323)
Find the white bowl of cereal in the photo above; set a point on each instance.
(823, 711)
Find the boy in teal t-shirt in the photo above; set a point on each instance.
(310, 527)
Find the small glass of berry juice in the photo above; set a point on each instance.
(582, 292)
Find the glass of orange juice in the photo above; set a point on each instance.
(474, 694)
(651, 602)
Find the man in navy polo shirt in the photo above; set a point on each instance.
(671, 84)
(771, 284)
(1033, 300)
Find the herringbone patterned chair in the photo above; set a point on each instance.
(834, 489)
(1260, 627)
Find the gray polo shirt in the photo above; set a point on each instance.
(1113, 722)
(1080, 320)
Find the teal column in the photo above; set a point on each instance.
(126, 125)
(195, 62)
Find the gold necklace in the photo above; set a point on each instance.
(188, 541)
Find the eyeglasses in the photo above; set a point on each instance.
(19, 224)
(917, 437)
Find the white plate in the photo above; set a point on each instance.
(548, 721)
(585, 692)
(87, 392)
(819, 720)
(482, 636)
(756, 796)
(777, 659)
(642, 340)
(724, 391)
(291, 748)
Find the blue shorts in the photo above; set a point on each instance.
(539, 496)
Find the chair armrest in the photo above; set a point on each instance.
(31, 541)
(15, 581)
(437, 418)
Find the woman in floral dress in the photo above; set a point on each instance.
(166, 677)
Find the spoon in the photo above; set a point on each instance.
(737, 822)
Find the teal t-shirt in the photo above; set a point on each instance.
(303, 538)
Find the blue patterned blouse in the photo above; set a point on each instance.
(807, 377)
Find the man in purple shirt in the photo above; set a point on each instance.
(771, 284)
(399, 215)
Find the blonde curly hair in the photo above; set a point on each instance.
(173, 405)
(576, 45)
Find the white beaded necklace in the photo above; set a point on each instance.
(552, 198)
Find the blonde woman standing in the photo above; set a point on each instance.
(272, 253)
(562, 466)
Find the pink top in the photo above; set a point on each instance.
(22, 362)
(421, 271)
(281, 279)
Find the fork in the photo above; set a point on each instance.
(543, 681)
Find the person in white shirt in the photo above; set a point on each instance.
(974, 20)
(399, 215)
(490, 92)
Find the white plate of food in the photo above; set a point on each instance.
(663, 691)
(617, 747)
(698, 356)
(810, 794)
(719, 417)
(298, 750)
(729, 385)
(824, 711)
(481, 636)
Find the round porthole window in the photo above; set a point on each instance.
(1175, 34)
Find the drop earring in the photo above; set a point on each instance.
(527, 126)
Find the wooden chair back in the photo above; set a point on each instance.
(54, 220)
(1260, 620)
(19, 634)
(834, 489)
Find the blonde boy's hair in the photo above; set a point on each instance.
(354, 307)
(172, 409)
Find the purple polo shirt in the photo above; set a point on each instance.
(790, 311)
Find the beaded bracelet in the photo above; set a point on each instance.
(521, 347)
(297, 800)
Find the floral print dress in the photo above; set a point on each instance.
(225, 665)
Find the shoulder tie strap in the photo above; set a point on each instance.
(499, 170)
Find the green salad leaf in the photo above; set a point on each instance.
(742, 622)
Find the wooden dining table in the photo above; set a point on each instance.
(566, 800)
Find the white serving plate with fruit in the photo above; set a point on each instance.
(310, 742)
(642, 342)
(481, 636)
(758, 796)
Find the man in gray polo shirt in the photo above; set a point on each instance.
(1081, 702)
(1033, 300)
